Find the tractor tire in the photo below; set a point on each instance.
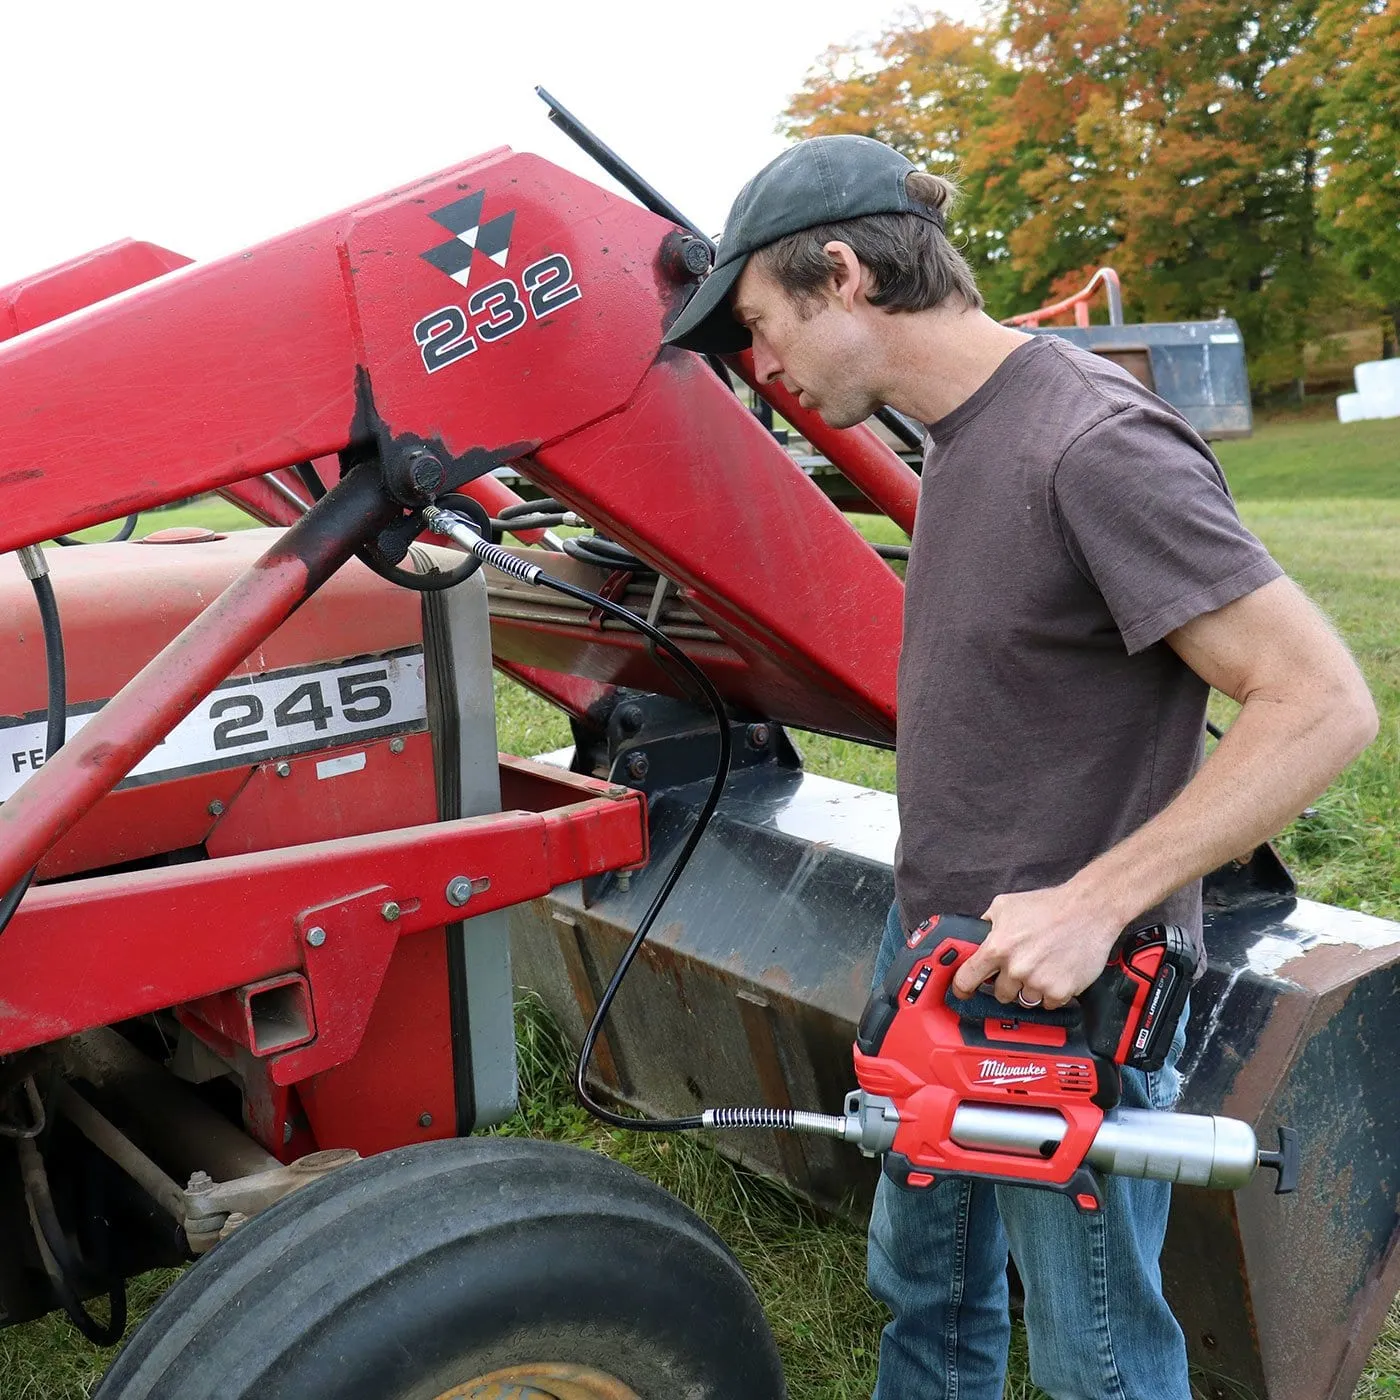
(470, 1269)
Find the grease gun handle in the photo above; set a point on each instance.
(1284, 1161)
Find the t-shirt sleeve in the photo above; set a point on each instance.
(1146, 516)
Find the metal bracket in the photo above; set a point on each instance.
(214, 1209)
(346, 968)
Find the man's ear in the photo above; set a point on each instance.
(847, 274)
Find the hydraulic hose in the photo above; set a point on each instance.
(64, 1268)
(36, 569)
(124, 533)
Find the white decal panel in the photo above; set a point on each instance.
(254, 718)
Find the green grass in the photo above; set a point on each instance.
(1325, 498)
(1314, 459)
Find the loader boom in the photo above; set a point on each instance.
(388, 332)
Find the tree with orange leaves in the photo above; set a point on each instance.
(1177, 139)
(929, 91)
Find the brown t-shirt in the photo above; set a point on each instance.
(1068, 520)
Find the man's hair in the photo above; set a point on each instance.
(913, 265)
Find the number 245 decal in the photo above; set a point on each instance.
(497, 311)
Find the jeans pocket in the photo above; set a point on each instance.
(1164, 1087)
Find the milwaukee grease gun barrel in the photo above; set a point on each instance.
(1189, 1148)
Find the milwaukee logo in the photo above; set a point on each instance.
(998, 1071)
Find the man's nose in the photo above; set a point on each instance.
(765, 362)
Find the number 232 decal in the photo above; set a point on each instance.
(496, 311)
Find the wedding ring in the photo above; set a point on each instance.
(1029, 1005)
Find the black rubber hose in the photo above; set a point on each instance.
(447, 578)
(605, 554)
(716, 703)
(546, 505)
(420, 583)
(57, 715)
(519, 524)
(125, 533)
(519, 568)
(63, 1268)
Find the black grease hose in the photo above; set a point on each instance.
(443, 523)
(36, 568)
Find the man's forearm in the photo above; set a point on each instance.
(1272, 762)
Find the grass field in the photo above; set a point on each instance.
(1326, 499)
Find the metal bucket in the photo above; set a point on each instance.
(749, 988)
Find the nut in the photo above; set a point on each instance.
(395, 745)
(758, 735)
(390, 910)
(315, 936)
(425, 1120)
(638, 766)
(216, 808)
(284, 770)
(459, 890)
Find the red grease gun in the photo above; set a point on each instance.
(1028, 1102)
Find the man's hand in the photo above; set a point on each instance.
(1045, 945)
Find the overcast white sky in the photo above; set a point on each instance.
(209, 125)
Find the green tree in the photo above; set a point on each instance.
(1354, 81)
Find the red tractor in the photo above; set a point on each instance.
(259, 994)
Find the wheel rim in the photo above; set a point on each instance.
(542, 1381)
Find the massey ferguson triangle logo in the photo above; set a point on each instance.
(462, 219)
(999, 1071)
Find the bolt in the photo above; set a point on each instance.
(758, 735)
(638, 766)
(624, 880)
(459, 890)
(199, 1181)
(390, 911)
(425, 1120)
(284, 770)
(287, 1132)
(425, 471)
(629, 718)
(685, 258)
(616, 791)
(395, 745)
(315, 936)
(695, 256)
(216, 808)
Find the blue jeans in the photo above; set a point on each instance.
(1096, 1321)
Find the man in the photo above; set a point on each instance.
(1078, 581)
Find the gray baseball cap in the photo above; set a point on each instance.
(819, 181)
